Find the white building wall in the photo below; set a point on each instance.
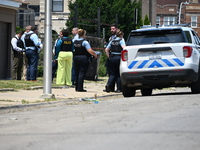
(58, 18)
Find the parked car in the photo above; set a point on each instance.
(160, 57)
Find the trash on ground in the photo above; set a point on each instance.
(89, 99)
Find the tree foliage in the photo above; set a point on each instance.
(19, 29)
(87, 15)
(146, 20)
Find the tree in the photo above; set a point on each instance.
(146, 20)
(87, 15)
(87, 18)
(19, 29)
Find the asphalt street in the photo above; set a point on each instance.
(164, 121)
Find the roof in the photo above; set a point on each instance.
(13, 4)
(153, 28)
(21, 1)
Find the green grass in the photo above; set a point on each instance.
(7, 101)
(26, 85)
(16, 84)
(21, 84)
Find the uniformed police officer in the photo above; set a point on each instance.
(65, 47)
(75, 36)
(113, 52)
(18, 48)
(32, 47)
(82, 55)
(113, 30)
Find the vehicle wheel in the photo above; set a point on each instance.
(146, 92)
(195, 88)
(128, 91)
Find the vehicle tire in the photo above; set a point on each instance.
(195, 88)
(128, 91)
(146, 92)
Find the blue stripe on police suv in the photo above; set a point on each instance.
(154, 63)
(179, 62)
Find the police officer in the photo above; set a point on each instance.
(82, 55)
(32, 47)
(113, 52)
(113, 30)
(75, 37)
(65, 56)
(75, 33)
(18, 48)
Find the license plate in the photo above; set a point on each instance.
(155, 56)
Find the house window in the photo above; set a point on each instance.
(193, 21)
(158, 20)
(36, 9)
(57, 5)
(169, 20)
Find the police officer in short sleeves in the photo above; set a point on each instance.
(113, 52)
(82, 52)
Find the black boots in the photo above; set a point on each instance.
(109, 89)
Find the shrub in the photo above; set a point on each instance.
(40, 71)
(102, 65)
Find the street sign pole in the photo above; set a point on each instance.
(47, 77)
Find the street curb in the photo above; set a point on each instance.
(41, 87)
(25, 107)
(6, 89)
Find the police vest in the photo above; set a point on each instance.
(115, 46)
(19, 44)
(79, 49)
(28, 41)
(66, 45)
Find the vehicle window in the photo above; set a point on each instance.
(188, 36)
(154, 39)
(196, 38)
(156, 36)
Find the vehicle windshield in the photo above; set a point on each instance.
(155, 37)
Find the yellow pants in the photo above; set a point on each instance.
(64, 72)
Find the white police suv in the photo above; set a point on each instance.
(159, 57)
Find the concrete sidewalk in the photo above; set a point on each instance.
(10, 98)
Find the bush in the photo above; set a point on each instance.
(102, 65)
(40, 71)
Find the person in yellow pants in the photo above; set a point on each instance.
(65, 56)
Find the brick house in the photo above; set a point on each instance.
(193, 15)
(149, 8)
(167, 13)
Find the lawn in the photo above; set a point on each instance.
(19, 84)
(26, 85)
